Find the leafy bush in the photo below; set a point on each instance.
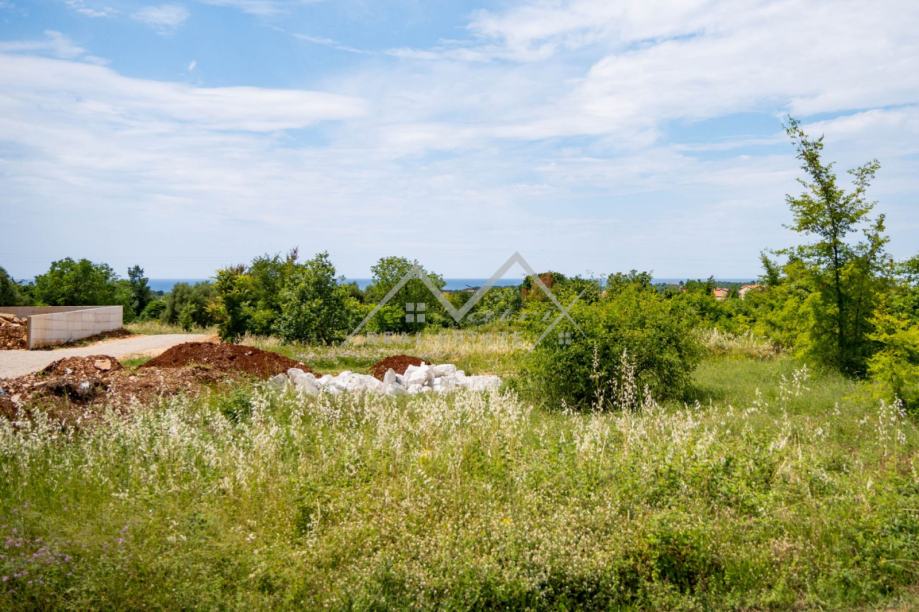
(279, 296)
(154, 310)
(387, 273)
(314, 308)
(230, 308)
(189, 305)
(894, 369)
(631, 342)
(76, 283)
(497, 303)
(9, 290)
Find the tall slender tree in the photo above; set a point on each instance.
(846, 272)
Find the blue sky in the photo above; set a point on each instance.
(589, 135)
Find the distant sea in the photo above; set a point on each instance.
(166, 284)
(452, 284)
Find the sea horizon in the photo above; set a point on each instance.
(451, 284)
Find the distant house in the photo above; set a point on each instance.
(745, 289)
(720, 293)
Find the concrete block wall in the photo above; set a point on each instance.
(61, 324)
(27, 311)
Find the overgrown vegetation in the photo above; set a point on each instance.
(780, 488)
(612, 353)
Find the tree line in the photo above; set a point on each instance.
(838, 300)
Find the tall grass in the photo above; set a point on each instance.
(155, 328)
(476, 352)
(785, 497)
(746, 344)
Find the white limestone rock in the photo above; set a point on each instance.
(304, 382)
(441, 378)
(394, 388)
(278, 381)
(417, 375)
(485, 382)
(444, 369)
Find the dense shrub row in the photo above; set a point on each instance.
(837, 300)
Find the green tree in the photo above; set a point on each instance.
(267, 276)
(586, 290)
(141, 295)
(189, 305)
(894, 369)
(617, 281)
(497, 304)
(248, 297)
(387, 273)
(76, 283)
(154, 310)
(9, 289)
(229, 310)
(313, 306)
(847, 275)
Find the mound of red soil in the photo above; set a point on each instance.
(227, 358)
(13, 332)
(74, 390)
(399, 363)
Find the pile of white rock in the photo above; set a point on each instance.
(417, 379)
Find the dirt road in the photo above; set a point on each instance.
(18, 363)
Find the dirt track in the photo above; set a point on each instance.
(18, 363)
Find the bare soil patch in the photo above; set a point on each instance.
(226, 357)
(73, 390)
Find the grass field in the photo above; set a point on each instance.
(772, 487)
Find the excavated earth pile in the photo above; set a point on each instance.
(225, 357)
(71, 389)
(13, 332)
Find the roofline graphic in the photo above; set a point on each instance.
(459, 313)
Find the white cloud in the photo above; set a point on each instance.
(261, 8)
(329, 42)
(90, 10)
(54, 44)
(103, 96)
(164, 18)
(651, 63)
(547, 131)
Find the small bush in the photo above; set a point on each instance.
(626, 346)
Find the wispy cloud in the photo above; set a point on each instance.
(551, 126)
(93, 9)
(106, 96)
(328, 42)
(54, 44)
(164, 18)
(261, 8)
